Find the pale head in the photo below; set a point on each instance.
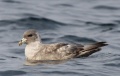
(29, 36)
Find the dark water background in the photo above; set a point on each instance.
(73, 21)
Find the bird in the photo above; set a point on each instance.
(35, 50)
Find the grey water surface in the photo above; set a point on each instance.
(71, 21)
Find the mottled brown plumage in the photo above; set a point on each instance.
(35, 50)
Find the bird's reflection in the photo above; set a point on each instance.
(45, 62)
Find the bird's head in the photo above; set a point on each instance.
(29, 36)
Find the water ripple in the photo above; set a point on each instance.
(76, 39)
(47, 40)
(11, 73)
(33, 22)
(102, 24)
(61, 72)
(11, 1)
(113, 64)
(104, 7)
(64, 5)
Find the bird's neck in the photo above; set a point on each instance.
(39, 38)
(35, 43)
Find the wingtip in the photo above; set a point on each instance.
(100, 44)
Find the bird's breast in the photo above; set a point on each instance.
(30, 51)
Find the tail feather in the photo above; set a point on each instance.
(92, 48)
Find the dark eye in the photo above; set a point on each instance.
(30, 35)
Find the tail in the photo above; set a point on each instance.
(92, 48)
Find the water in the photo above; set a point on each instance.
(73, 21)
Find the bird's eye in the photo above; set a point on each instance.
(30, 35)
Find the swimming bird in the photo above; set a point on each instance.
(35, 50)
